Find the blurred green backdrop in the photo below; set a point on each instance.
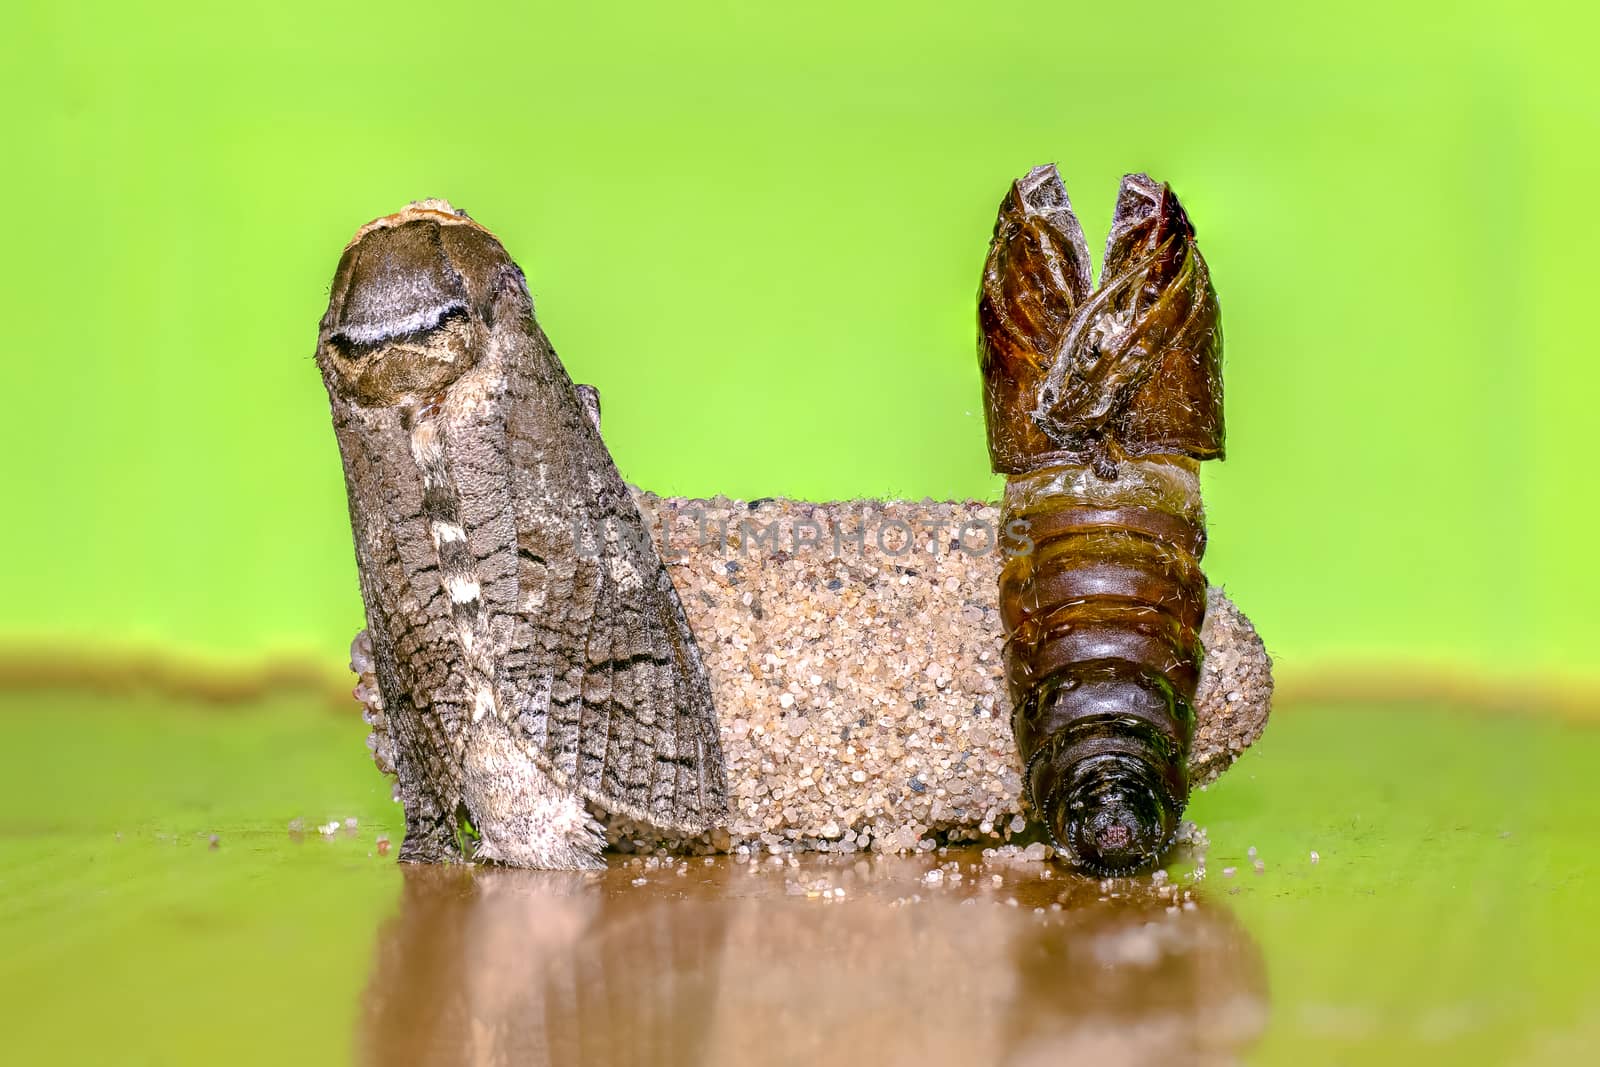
(758, 229)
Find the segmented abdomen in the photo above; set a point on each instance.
(1102, 618)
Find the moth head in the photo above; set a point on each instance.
(410, 305)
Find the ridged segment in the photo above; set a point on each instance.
(1102, 623)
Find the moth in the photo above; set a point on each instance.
(1100, 403)
(525, 650)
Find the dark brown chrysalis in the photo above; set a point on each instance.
(1100, 404)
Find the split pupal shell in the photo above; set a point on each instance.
(1141, 363)
(1036, 276)
(1066, 367)
(1099, 405)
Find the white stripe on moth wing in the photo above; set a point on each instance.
(444, 532)
(425, 447)
(483, 702)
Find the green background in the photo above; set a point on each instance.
(758, 229)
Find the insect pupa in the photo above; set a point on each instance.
(1100, 404)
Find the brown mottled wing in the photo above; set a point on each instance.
(408, 619)
(507, 574)
(599, 668)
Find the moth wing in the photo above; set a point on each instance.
(602, 673)
(394, 562)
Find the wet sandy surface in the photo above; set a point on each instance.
(827, 960)
(156, 908)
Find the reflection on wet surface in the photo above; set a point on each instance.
(1449, 918)
(727, 962)
(508, 966)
